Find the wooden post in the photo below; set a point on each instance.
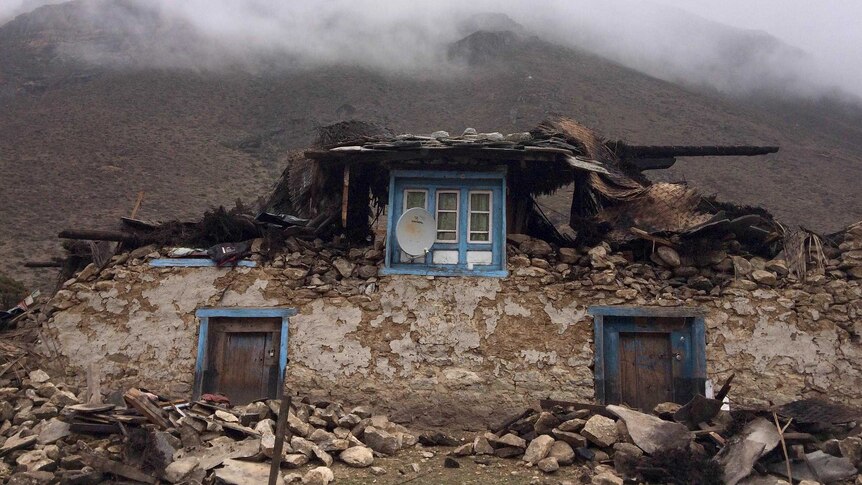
(97, 235)
(280, 430)
(345, 196)
(137, 205)
(94, 384)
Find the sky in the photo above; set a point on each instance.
(820, 48)
(831, 30)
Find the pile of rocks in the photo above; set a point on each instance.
(624, 444)
(43, 440)
(319, 268)
(318, 434)
(36, 445)
(849, 257)
(670, 273)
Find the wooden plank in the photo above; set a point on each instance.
(137, 206)
(233, 325)
(94, 385)
(646, 311)
(97, 235)
(240, 373)
(345, 193)
(649, 237)
(280, 431)
(625, 151)
(115, 468)
(138, 400)
(244, 355)
(645, 369)
(628, 381)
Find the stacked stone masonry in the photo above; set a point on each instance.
(466, 351)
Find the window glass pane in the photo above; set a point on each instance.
(446, 236)
(414, 198)
(479, 236)
(480, 202)
(479, 222)
(447, 201)
(446, 221)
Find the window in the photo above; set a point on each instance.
(480, 217)
(468, 208)
(447, 216)
(415, 198)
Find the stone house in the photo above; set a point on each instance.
(645, 296)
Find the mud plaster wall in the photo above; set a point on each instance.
(449, 351)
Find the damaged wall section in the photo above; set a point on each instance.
(456, 351)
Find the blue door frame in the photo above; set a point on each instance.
(688, 341)
(204, 314)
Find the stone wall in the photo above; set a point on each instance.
(465, 351)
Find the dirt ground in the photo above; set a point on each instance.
(491, 470)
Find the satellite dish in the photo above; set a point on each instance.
(416, 231)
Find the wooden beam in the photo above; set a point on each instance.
(138, 400)
(625, 151)
(280, 431)
(94, 384)
(115, 468)
(345, 195)
(97, 235)
(137, 205)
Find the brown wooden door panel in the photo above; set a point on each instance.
(646, 369)
(243, 356)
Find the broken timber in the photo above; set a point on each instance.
(98, 235)
(138, 400)
(114, 467)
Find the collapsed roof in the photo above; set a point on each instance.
(612, 198)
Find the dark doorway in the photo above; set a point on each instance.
(646, 355)
(243, 358)
(646, 376)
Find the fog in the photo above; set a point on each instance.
(779, 46)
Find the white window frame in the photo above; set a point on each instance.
(457, 211)
(490, 212)
(404, 201)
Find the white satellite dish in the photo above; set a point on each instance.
(416, 231)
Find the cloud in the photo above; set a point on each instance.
(660, 39)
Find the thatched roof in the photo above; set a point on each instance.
(542, 160)
(609, 191)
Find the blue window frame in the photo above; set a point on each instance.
(683, 328)
(470, 210)
(204, 314)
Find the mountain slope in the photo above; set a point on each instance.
(77, 141)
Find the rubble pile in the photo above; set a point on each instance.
(848, 258)
(316, 268)
(49, 435)
(698, 273)
(745, 446)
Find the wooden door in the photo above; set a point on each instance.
(243, 356)
(646, 369)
